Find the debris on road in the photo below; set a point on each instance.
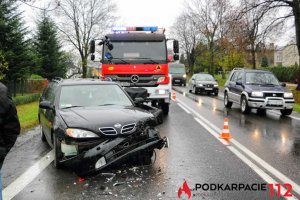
(118, 183)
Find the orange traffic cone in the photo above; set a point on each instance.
(225, 133)
(174, 95)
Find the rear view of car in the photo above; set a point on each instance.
(178, 73)
(257, 89)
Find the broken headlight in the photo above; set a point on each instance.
(79, 133)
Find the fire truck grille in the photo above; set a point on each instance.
(143, 80)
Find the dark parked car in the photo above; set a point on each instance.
(92, 124)
(203, 82)
(257, 89)
(178, 73)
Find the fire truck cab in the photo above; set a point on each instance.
(138, 57)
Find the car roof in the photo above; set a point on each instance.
(81, 81)
(176, 65)
(202, 73)
(251, 70)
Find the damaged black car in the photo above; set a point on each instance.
(92, 124)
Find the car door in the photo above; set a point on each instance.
(239, 88)
(231, 86)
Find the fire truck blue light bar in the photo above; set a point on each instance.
(146, 28)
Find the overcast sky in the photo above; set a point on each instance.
(160, 13)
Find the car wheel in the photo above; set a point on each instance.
(286, 112)
(227, 103)
(216, 93)
(261, 112)
(57, 152)
(165, 108)
(184, 84)
(194, 90)
(244, 106)
(43, 138)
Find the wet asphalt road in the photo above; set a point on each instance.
(194, 155)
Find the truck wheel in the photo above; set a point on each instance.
(165, 108)
(227, 103)
(244, 106)
(57, 152)
(286, 112)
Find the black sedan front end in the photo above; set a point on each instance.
(120, 134)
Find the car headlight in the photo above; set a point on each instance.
(216, 85)
(161, 91)
(257, 94)
(200, 85)
(184, 76)
(288, 95)
(79, 133)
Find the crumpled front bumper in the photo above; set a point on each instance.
(114, 151)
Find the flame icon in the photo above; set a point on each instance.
(185, 188)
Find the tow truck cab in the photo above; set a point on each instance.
(138, 57)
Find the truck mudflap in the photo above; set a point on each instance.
(113, 152)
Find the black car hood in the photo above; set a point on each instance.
(267, 88)
(93, 118)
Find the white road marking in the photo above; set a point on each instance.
(183, 108)
(216, 135)
(259, 171)
(264, 164)
(290, 116)
(22, 181)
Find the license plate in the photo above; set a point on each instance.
(208, 89)
(177, 80)
(275, 102)
(124, 84)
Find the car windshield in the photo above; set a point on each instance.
(92, 95)
(136, 52)
(204, 77)
(261, 78)
(176, 69)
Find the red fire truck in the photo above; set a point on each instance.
(137, 57)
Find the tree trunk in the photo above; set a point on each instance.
(84, 67)
(296, 12)
(253, 56)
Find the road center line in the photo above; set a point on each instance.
(264, 164)
(27, 177)
(183, 108)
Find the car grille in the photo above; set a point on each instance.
(208, 85)
(108, 131)
(128, 128)
(272, 94)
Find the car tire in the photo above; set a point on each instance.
(216, 93)
(194, 90)
(244, 105)
(184, 84)
(261, 112)
(286, 112)
(43, 138)
(227, 103)
(165, 108)
(57, 152)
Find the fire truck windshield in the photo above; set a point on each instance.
(136, 52)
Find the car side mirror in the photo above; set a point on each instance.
(46, 105)
(283, 84)
(139, 100)
(239, 83)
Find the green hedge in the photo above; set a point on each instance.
(28, 98)
(286, 74)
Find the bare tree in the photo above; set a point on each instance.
(84, 20)
(210, 16)
(184, 29)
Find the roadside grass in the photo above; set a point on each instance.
(220, 80)
(297, 107)
(28, 115)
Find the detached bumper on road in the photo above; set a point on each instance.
(114, 152)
